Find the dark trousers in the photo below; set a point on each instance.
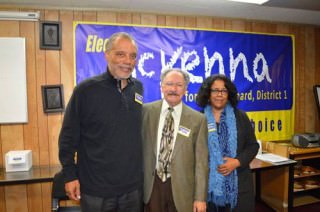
(129, 202)
(245, 203)
(214, 208)
(161, 199)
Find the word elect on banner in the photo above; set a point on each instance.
(261, 66)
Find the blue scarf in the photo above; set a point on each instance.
(222, 190)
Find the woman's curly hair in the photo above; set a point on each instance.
(203, 96)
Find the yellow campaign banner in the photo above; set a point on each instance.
(273, 125)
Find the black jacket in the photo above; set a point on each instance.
(103, 126)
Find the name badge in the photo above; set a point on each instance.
(211, 127)
(138, 98)
(184, 131)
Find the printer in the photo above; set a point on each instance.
(306, 140)
(20, 160)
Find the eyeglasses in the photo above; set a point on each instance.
(216, 92)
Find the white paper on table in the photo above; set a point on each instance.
(273, 158)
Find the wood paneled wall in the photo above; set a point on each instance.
(54, 67)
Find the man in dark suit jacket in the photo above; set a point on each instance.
(185, 189)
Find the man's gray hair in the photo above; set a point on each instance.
(117, 35)
(184, 74)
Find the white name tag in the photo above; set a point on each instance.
(184, 131)
(211, 127)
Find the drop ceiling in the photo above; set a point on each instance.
(288, 11)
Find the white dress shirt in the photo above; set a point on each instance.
(176, 114)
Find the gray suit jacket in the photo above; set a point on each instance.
(189, 163)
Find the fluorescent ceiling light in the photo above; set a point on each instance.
(19, 16)
(251, 1)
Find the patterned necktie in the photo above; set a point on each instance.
(166, 147)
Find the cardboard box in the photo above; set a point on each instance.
(18, 160)
(279, 148)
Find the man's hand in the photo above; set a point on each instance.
(229, 165)
(199, 206)
(73, 189)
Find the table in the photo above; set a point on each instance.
(270, 186)
(37, 174)
(264, 174)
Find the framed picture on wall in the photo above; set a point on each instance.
(50, 35)
(52, 98)
(316, 91)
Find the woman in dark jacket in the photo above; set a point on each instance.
(232, 146)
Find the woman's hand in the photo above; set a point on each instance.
(229, 165)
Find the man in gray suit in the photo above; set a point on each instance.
(180, 184)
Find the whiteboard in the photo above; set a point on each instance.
(13, 86)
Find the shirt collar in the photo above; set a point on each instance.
(109, 76)
(177, 109)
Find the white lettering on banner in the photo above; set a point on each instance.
(190, 66)
(234, 64)
(173, 58)
(143, 57)
(190, 60)
(208, 63)
(265, 68)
